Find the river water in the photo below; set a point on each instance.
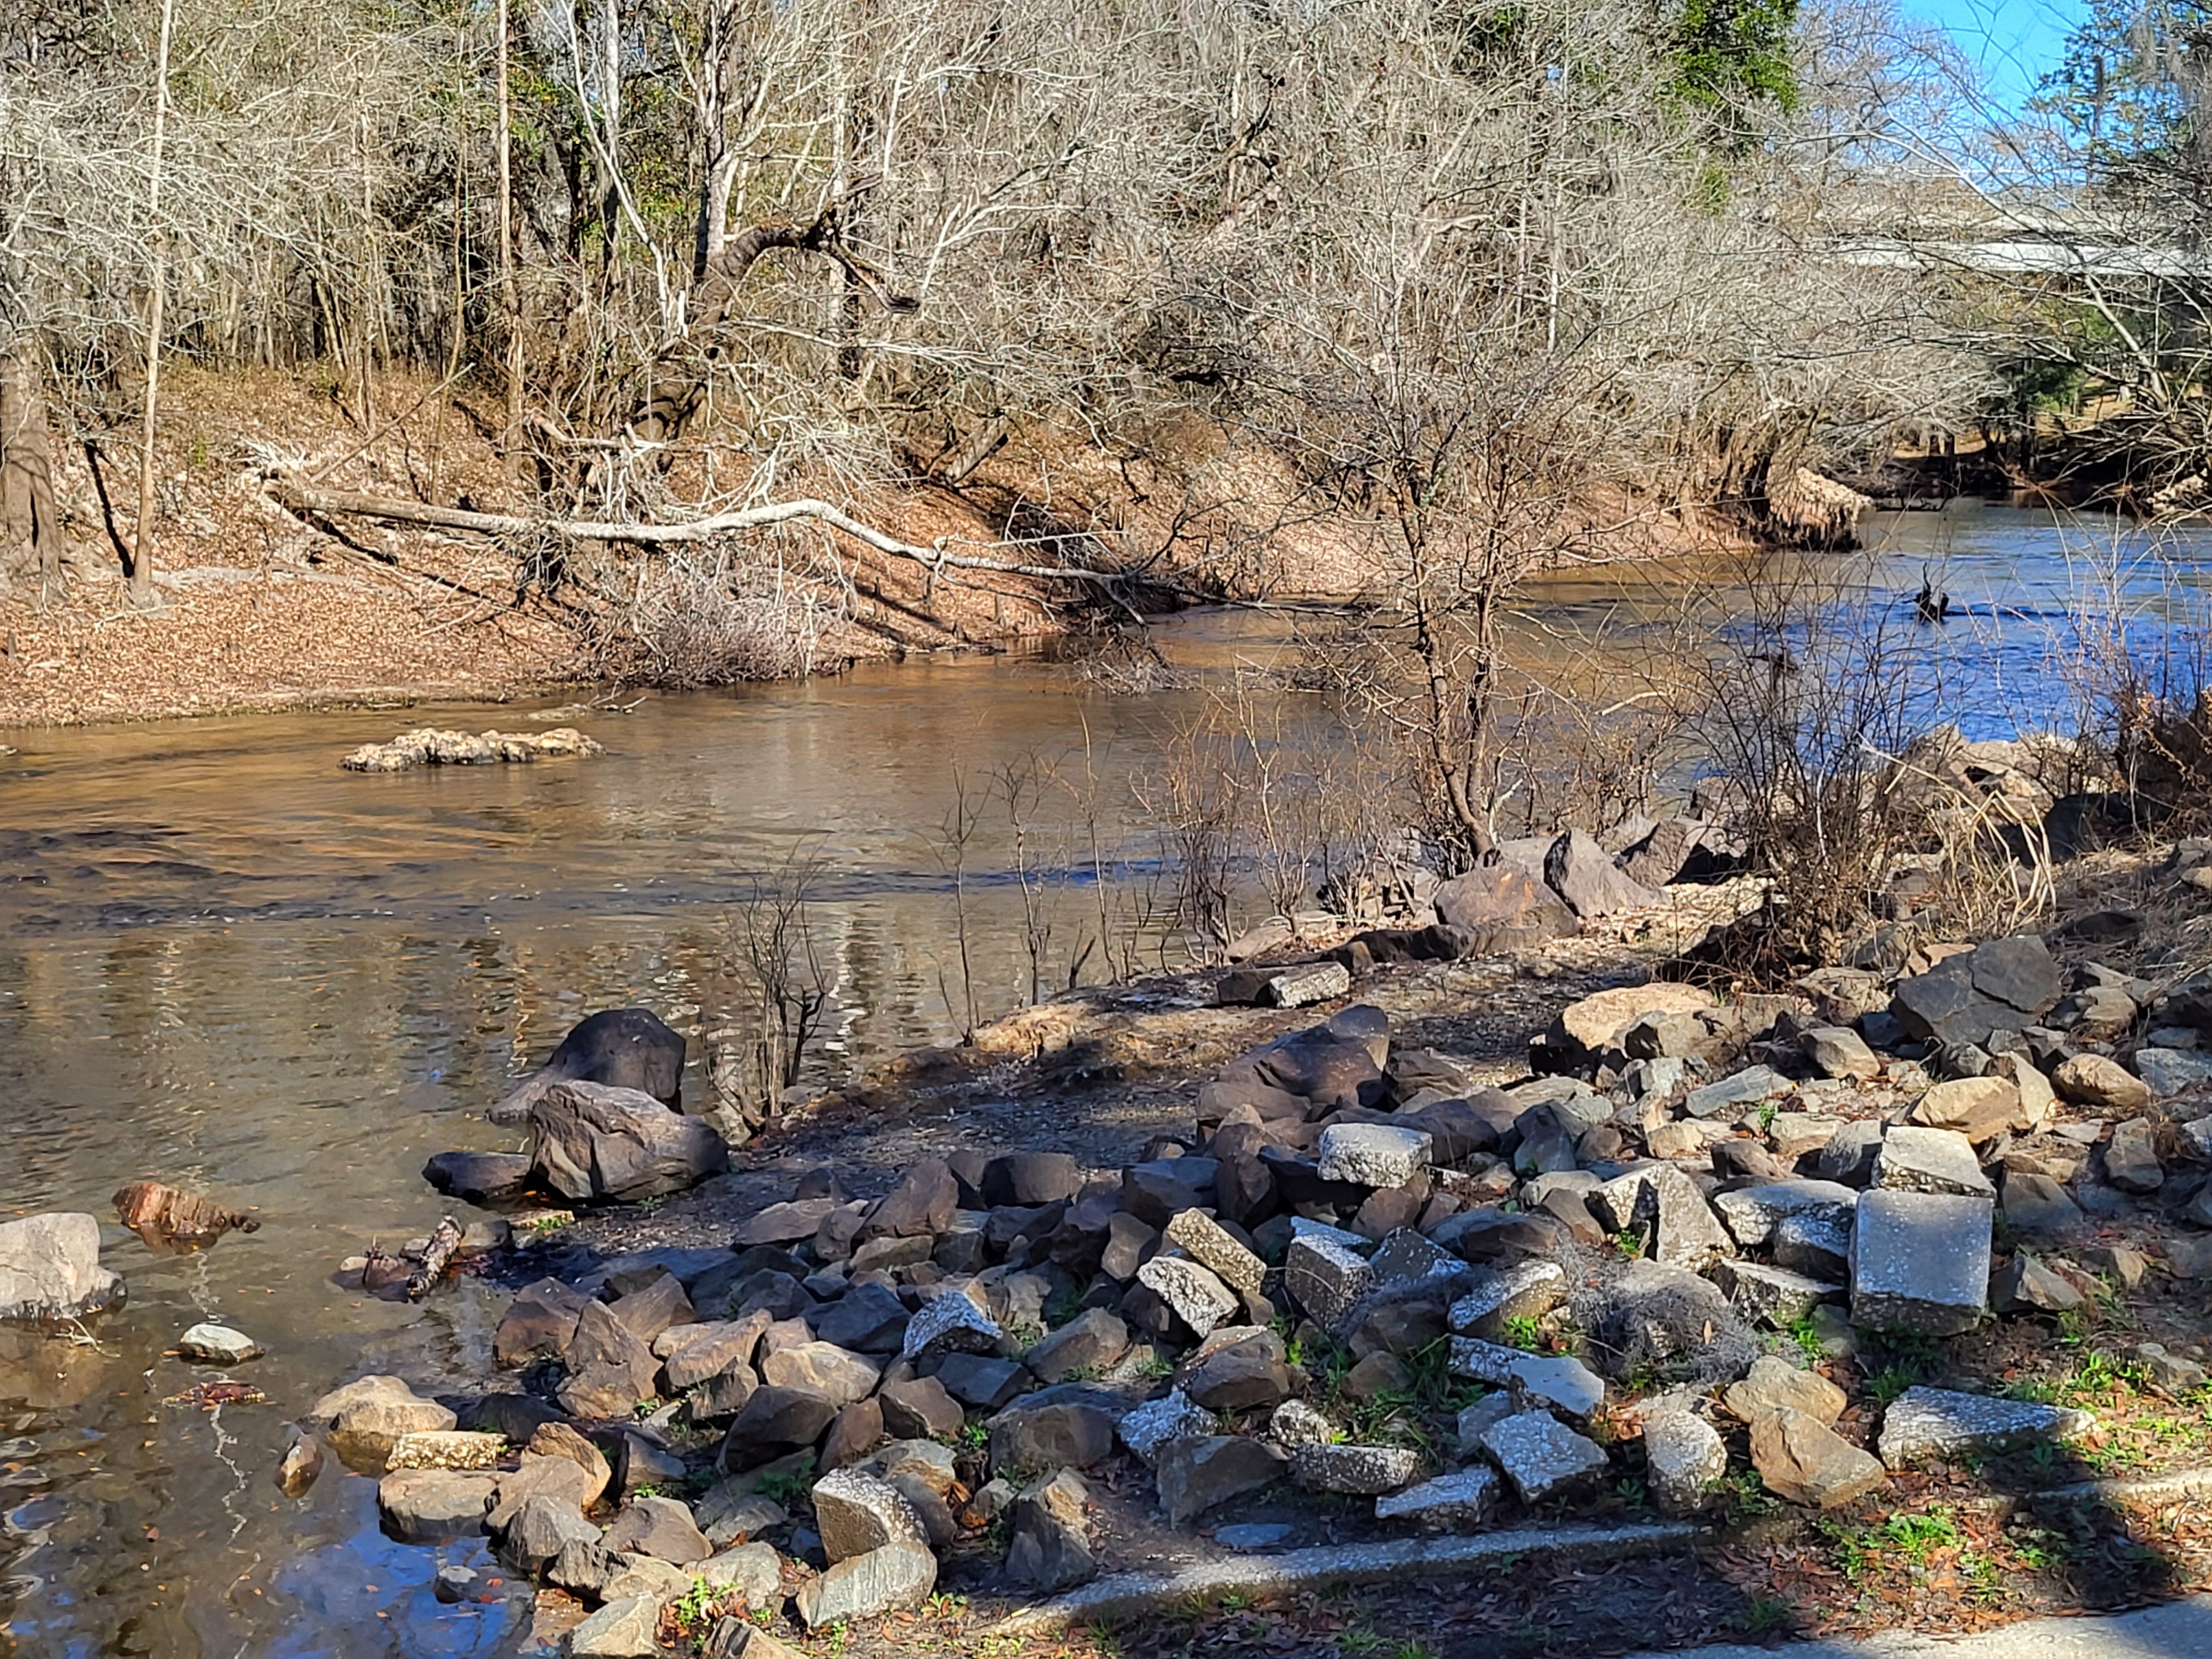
(227, 965)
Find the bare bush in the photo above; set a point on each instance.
(696, 622)
(783, 988)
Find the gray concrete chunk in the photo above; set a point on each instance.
(1564, 1383)
(1683, 1456)
(1913, 1160)
(1542, 1455)
(1326, 1279)
(1752, 1212)
(1920, 1262)
(1454, 1503)
(1931, 1423)
(1373, 1154)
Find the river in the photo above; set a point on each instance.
(227, 964)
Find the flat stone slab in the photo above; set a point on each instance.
(1920, 1262)
(1362, 1471)
(1130, 1595)
(1914, 1159)
(1748, 1087)
(1150, 1429)
(1934, 1423)
(1774, 1296)
(1542, 1455)
(1449, 1501)
(1521, 1292)
(1752, 1212)
(1373, 1154)
(1557, 1380)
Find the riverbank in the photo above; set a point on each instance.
(263, 609)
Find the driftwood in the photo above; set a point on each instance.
(437, 1257)
(163, 1215)
(297, 495)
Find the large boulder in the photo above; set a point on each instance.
(627, 1048)
(591, 1143)
(1503, 907)
(882, 1581)
(366, 1417)
(1584, 1027)
(1583, 874)
(2006, 985)
(50, 1268)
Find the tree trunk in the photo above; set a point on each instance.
(141, 549)
(32, 540)
(510, 303)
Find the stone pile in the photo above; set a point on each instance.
(874, 1383)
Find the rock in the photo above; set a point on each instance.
(1196, 1474)
(448, 1449)
(1091, 1341)
(2132, 1158)
(2093, 1080)
(1661, 856)
(1541, 1455)
(1773, 1296)
(1666, 1321)
(2026, 1286)
(919, 1408)
(920, 1206)
(559, 1440)
(1158, 1191)
(2037, 1098)
(217, 1344)
(1373, 1154)
(784, 1224)
(1326, 1279)
(2118, 1262)
(1525, 1291)
(430, 746)
(1248, 1536)
(856, 1513)
(711, 1350)
(1070, 1426)
(367, 1415)
(2168, 1371)
(1029, 1178)
(479, 1177)
(1449, 1503)
(1201, 1238)
(1660, 1201)
(1190, 1290)
(2037, 1205)
(1979, 1108)
(1683, 1458)
(1583, 874)
(1148, 1429)
(1051, 1546)
(1774, 1384)
(868, 1318)
(2008, 984)
(1920, 1160)
(1923, 1424)
(753, 1572)
(775, 1420)
(1589, 1026)
(1920, 1262)
(1836, 1051)
(301, 1467)
(540, 1527)
(634, 1575)
(1360, 1471)
(538, 1324)
(2173, 1071)
(986, 1384)
(1303, 984)
(1850, 1155)
(1815, 1243)
(50, 1268)
(2190, 1258)
(821, 1368)
(1244, 1376)
(1564, 1383)
(1503, 907)
(950, 1323)
(1748, 1087)
(897, 1575)
(453, 1584)
(935, 1466)
(591, 1143)
(1752, 1213)
(554, 1478)
(661, 1528)
(623, 1629)
(429, 1506)
(1802, 1461)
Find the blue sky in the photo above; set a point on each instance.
(2013, 40)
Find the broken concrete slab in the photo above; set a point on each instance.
(1916, 1159)
(1924, 1423)
(1542, 1455)
(1920, 1262)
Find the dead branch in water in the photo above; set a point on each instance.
(436, 1258)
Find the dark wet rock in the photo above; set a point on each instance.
(1244, 1376)
(594, 1144)
(538, 1324)
(479, 1177)
(540, 1528)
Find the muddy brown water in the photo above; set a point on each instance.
(227, 964)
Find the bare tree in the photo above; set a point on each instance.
(142, 545)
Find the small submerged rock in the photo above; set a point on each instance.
(208, 1343)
